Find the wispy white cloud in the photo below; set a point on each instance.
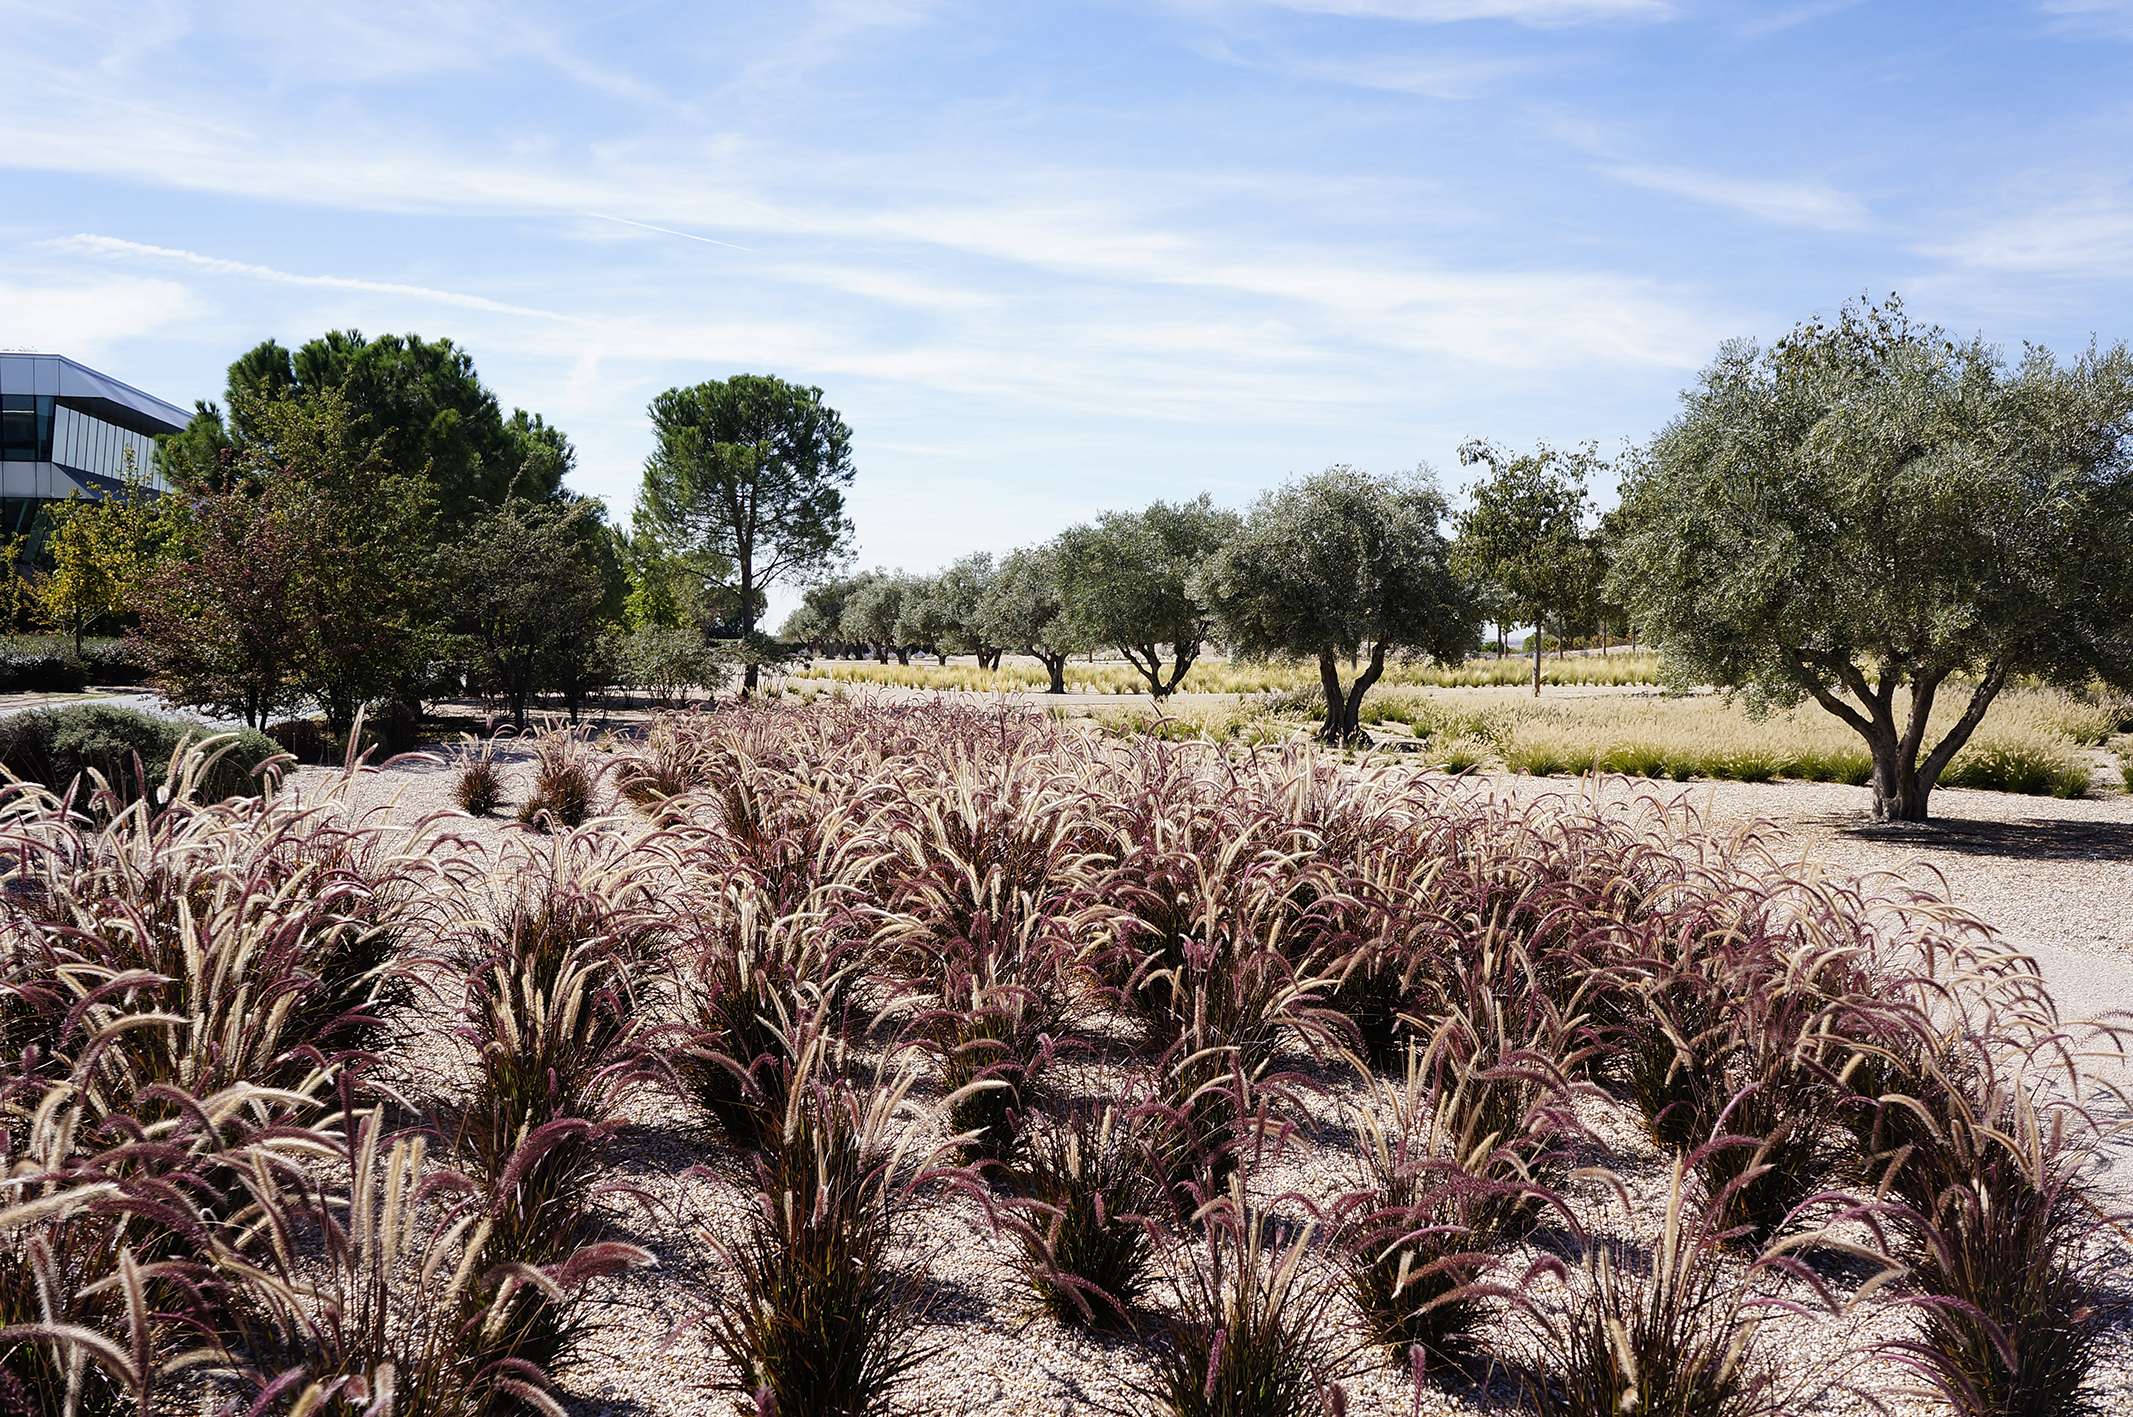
(2088, 236)
(667, 231)
(1762, 24)
(84, 316)
(1780, 201)
(112, 246)
(2111, 17)
(1440, 76)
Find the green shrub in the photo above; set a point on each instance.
(32, 669)
(55, 746)
(2018, 765)
(47, 664)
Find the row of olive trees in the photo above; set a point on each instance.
(1869, 514)
(1343, 569)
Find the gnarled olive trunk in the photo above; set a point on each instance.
(1054, 665)
(1148, 659)
(1905, 772)
(1344, 707)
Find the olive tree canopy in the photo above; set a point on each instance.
(1129, 582)
(1343, 565)
(1024, 607)
(1872, 515)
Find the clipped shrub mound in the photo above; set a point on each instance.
(130, 749)
(47, 664)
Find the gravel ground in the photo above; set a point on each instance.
(2053, 878)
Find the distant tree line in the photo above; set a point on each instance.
(1869, 514)
(358, 527)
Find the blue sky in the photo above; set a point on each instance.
(1050, 258)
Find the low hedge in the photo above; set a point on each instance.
(56, 746)
(47, 664)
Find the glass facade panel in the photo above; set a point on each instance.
(84, 443)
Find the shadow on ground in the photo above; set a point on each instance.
(2030, 839)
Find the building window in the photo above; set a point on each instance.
(26, 427)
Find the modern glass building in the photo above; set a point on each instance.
(64, 428)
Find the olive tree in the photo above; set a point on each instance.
(1024, 607)
(1129, 580)
(952, 601)
(873, 611)
(1523, 535)
(926, 618)
(1344, 565)
(1871, 514)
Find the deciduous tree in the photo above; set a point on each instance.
(1523, 533)
(348, 545)
(100, 550)
(526, 594)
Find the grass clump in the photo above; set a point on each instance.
(1253, 1328)
(1086, 1222)
(824, 1321)
(479, 784)
(1680, 1339)
(565, 778)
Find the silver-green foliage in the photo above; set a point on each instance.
(1870, 512)
(1343, 565)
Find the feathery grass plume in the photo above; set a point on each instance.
(1086, 1221)
(196, 947)
(825, 1316)
(1416, 1261)
(566, 779)
(552, 1011)
(1495, 1070)
(1727, 1033)
(994, 1042)
(478, 785)
(380, 1287)
(101, 1294)
(554, 1060)
(2007, 1239)
(754, 987)
(670, 760)
(1223, 1088)
(1252, 1335)
(1679, 1340)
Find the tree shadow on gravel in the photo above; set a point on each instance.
(2030, 839)
(609, 1407)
